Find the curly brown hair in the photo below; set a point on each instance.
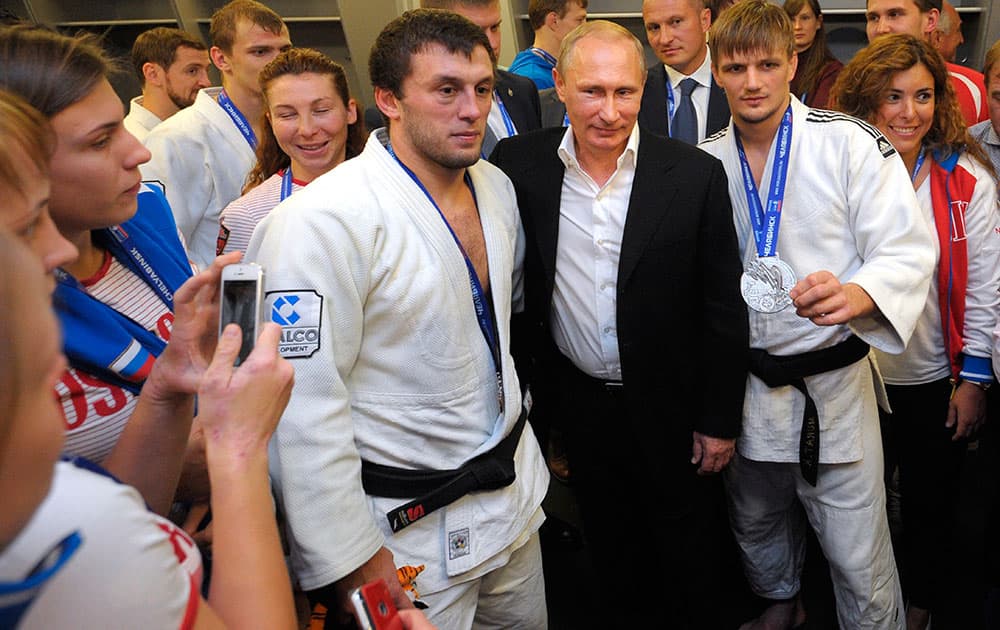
(863, 83)
(295, 61)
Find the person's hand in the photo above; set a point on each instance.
(411, 619)
(821, 298)
(712, 453)
(239, 407)
(193, 335)
(381, 565)
(966, 410)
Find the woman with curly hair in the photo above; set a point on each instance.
(937, 387)
(818, 68)
(311, 124)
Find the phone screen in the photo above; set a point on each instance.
(239, 305)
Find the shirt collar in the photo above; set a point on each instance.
(703, 75)
(567, 149)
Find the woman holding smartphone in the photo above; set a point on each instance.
(311, 125)
(937, 387)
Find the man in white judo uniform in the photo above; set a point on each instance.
(173, 67)
(393, 276)
(202, 154)
(836, 260)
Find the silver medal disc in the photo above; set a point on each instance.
(765, 284)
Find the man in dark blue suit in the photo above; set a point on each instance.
(681, 99)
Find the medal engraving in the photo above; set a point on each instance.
(765, 284)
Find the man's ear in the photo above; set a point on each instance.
(219, 58)
(387, 103)
(152, 74)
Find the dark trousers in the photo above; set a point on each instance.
(915, 439)
(678, 572)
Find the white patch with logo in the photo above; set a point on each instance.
(300, 315)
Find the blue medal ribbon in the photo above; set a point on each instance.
(484, 312)
(766, 223)
(238, 119)
(920, 162)
(507, 122)
(17, 597)
(286, 184)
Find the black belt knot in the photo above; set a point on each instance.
(435, 489)
(784, 370)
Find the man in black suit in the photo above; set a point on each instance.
(676, 32)
(634, 334)
(515, 98)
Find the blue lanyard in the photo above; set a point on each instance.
(483, 314)
(670, 103)
(507, 122)
(767, 223)
(544, 54)
(238, 119)
(920, 162)
(286, 184)
(17, 597)
(128, 253)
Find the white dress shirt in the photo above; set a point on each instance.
(700, 94)
(591, 223)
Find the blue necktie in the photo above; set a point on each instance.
(684, 126)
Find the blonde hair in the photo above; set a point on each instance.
(751, 26)
(603, 29)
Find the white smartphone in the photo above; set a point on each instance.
(242, 302)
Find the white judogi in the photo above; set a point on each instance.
(133, 569)
(202, 160)
(398, 374)
(849, 209)
(140, 121)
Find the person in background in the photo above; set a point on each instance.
(818, 68)
(311, 125)
(202, 155)
(172, 67)
(551, 20)
(947, 35)
(937, 386)
(919, 18)
(680, 98)
(987, 133)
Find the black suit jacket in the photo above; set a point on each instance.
(653, 109)
(520, 98)
(682, 325)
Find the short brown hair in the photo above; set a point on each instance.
(225, 20)
(751, 26)
(538, 9)
(159, 45)
(449, 5)
(992, 57)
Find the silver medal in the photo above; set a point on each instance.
(765, 284)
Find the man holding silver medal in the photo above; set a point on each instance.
(836, 258)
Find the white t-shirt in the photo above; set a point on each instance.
(134, 569)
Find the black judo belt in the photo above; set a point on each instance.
(437, 488)
(779, 371)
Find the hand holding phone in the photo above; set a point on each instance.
(242, 302)
(374, 608)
